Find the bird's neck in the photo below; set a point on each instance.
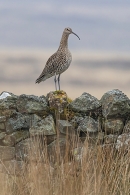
(64, 41)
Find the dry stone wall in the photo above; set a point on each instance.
(55, 117)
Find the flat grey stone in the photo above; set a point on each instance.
(2, 135)
(76, 120)
(15, 137)
(29, 150)
(2, 126)
(34, 120)
(123, 142)
(7, 104)
(32, 104)
(115, 104)
(65, 127)
(41, 126)
(88, 125)
(85, 103)
(2, 119)
(17, 121)
(23, 148)
(113, 126)
(127, 127)
(7, 101)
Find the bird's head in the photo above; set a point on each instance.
(69, 31)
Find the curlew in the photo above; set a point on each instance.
(59, 61)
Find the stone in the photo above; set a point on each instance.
(34, 120)
(7, 141)
(7, 153)
(41, 126)
(13, 167)
(65, 127)
(86, 103)
(88, 125)
(4, 95)
(115, 104)
(127, 127)
(7, 103)
(29, 150)
(2, 119)
(123, 142)
(2, 123)
(2, 136)
(113, 126)
(89, 131)
(51, 138)
(58, 151)
(7, 100)
(58, 100)
(110, 139)
(7, 112)
(16, 122)
(15, 137)
(23, 148)
(2, 126)
(75, 121)
(32, 104)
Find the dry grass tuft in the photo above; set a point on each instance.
(99, 171)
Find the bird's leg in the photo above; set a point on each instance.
(55, 81)
(59, 81)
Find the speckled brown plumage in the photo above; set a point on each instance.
(59, 61)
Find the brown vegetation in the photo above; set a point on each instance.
(98, 170)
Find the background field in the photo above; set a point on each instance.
(95, 73)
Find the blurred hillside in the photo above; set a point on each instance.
(94, 73)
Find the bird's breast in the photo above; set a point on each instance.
(64, 59)
(68, 57)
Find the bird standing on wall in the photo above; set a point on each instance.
(59, 61)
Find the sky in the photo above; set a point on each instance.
(101, 24)
(30, 31)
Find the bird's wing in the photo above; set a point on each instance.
(49, 68)
(51, 63)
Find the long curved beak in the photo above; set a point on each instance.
(75, 35)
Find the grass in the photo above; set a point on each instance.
(98, 171)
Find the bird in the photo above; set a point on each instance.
(59, 61)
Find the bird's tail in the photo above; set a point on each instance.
(40, 78)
